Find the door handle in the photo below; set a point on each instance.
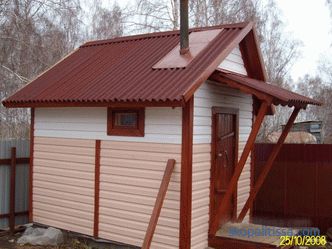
(227, 159)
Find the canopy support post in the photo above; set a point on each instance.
(268, 165)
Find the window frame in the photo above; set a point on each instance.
(113, 130)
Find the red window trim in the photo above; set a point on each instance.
(125, 131)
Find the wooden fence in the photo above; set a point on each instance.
(14, 183)
(298, 189)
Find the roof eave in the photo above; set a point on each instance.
(129, 104)
(273, 98)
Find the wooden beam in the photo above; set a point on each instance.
(21, 160)
(252, 57)
(234, 243)
(12, 190)
(158, 204)
(243, 88)
(222, 208)
(22, 213)
(97, 189)
(186, 175)
(32, 136)
(268, 165)
(214, 64)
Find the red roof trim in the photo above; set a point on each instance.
(160, 34)
(205, 75)
(94, 104)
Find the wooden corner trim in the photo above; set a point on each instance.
(186, 175)
(32, 136)
(97, 189)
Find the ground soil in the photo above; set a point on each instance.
(72, 241)
(9, 242)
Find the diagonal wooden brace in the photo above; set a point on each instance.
(224, 204)
(268, 165)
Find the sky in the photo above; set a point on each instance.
(309, 22)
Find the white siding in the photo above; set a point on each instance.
(162, 124)
(208, 95)
(234, 62)
(131, 174)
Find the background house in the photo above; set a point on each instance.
(312, 127)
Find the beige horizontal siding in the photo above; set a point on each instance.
(131, 174)
(200, 196)
(63, 186)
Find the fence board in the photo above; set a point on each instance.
(22, 181)
(298, 189)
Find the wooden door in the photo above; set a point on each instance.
(225, 146)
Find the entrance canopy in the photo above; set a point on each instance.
(268, 95)
(263, 90)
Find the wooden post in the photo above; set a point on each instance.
(222, 208)
(97, 189)
(32, 137)
(186, 175)
(158, 204)
(12, 190)
(268, 165)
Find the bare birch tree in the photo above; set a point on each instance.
(34, 34)
(106, 23)
(153, 16)
(316, 88)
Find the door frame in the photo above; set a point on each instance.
(222, 110)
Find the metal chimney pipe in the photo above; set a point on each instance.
(184, 27)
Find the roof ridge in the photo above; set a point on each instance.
(158, 34)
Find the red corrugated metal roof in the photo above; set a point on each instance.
(120, 70)
(280, 96)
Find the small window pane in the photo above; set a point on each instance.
(315, 126)
(125, 119)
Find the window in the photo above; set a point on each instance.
(125, 122)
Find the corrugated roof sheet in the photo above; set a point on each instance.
(279, 95)
(120, 70)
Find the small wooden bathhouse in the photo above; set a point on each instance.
(110, 120)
